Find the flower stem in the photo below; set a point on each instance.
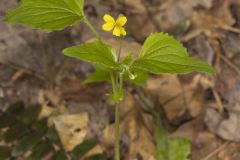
(90, 26)
(120, 49)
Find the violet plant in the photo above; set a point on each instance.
(160, 52)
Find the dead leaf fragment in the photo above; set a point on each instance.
(227, 128)
(72, 129)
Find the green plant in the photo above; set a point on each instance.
(22, 132)
(160, 53)
(167, 148)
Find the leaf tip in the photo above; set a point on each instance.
(65, 51)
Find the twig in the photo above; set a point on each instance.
(233, 66)
(25, 70)
(215, 151)
(229, 28)
(218, 100)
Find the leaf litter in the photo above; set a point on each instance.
(189, 103)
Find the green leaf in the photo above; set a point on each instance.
(176, 149)
(14, 132)
(8, 117)
(59, 155)
(80, 150)
(41, 126)
(163, 54)
(40, 150)
(179, 149)
(96, 157)
(47, 15)
(101, 74)
(6, 121)
(5, 152)
(95, 52)
(169, 148)
(128, 59)
(25, 144)
(2, 135)
(52, 135)
(31, 114)
(16, 108)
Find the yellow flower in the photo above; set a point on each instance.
(116, 25)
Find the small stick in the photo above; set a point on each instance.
(25, 70)
(218, 100)
(233, 66)
(215, 151)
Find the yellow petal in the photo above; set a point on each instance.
(108, 26)
(122, 30)
(108, 18)
(121, 21)
(117, 31)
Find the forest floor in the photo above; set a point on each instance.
(204, 109)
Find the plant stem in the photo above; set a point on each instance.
(90, 26)
(113, 81)
(117, 131)
(117, 85)
(120, 49)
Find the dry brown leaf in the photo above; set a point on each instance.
(135, 26)
(137, 125)
(141, 141)
(46, 96)
(72, 129)
(109, 137)
(208, 21)
(230, 44)
(194, 93)
(165, 86)
(203, 142)
(169, 91)
(48, 112)
(75, 90)
(227, 128)
(178, 98)
(135, 5)
(172, 12)
(228, 81)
